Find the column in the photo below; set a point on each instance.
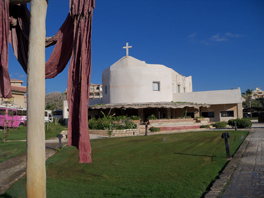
(36, 171)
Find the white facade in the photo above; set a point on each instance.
(211, 97)
(130, 80)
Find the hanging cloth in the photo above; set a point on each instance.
(73, 40)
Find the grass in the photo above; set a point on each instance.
(253, 118)
(20, 133)
(176, 165)
(11, 149)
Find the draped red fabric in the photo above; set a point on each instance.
(5, 88)
(73, 40)
(79, 75)
(19, 34)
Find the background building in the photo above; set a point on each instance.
(19, 99)
(257, 93)
(133, 87)
(96, 91)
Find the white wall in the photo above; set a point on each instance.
(210, 97)
(130, 80)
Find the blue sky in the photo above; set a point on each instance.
(219, 43)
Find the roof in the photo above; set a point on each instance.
(173, 105)
(16, 80)
(19, 88)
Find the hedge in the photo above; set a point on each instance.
(154, 129)
(241, 123)
(220, 125)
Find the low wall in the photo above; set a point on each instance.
(171, 122)
(203, 120)
(124, 132)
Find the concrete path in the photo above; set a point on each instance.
(244, 175)
(15, 168)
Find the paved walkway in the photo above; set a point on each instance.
(244, 175)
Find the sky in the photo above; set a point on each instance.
(219, 43)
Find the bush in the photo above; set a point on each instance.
(134, 117)
(241, 123)
(205, 126)
(154, 129)
(152, 117)
(231, 122)
(187, 117)
(220, 125)
(111, 122)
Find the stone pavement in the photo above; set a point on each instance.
(244, 175)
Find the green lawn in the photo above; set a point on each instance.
(176, 165)
(11, 149)
(20, 133)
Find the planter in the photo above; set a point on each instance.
(171, 122)
(124, 132)
(202, 120)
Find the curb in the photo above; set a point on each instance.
(49, 153)
(219, 185)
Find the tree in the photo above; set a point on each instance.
(54, 100)
(248, 97)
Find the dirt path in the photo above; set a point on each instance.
(15, 168)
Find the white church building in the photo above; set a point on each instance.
(134, 87)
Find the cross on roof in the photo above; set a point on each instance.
(127, 47)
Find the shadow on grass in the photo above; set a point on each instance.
(212, 157)
(5, 196)
(47, 147)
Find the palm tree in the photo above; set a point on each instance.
(248, 96)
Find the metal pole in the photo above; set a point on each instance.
(225, 136)
(146, 129)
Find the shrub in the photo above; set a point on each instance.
(109, 132)
(92, 123)
(220, 125)
(205, 126)
(134, 117)
(231, 122)
(152, 117)
(111, 122)
(154, 129)
(183, 117)
(241, 123)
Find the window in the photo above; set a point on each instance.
(179, 88)
(208, 114)
(190, 114)
(105, 90)
(184, 89)
(156, 86)
(2, 112)
(227, 113)
(10, 112)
